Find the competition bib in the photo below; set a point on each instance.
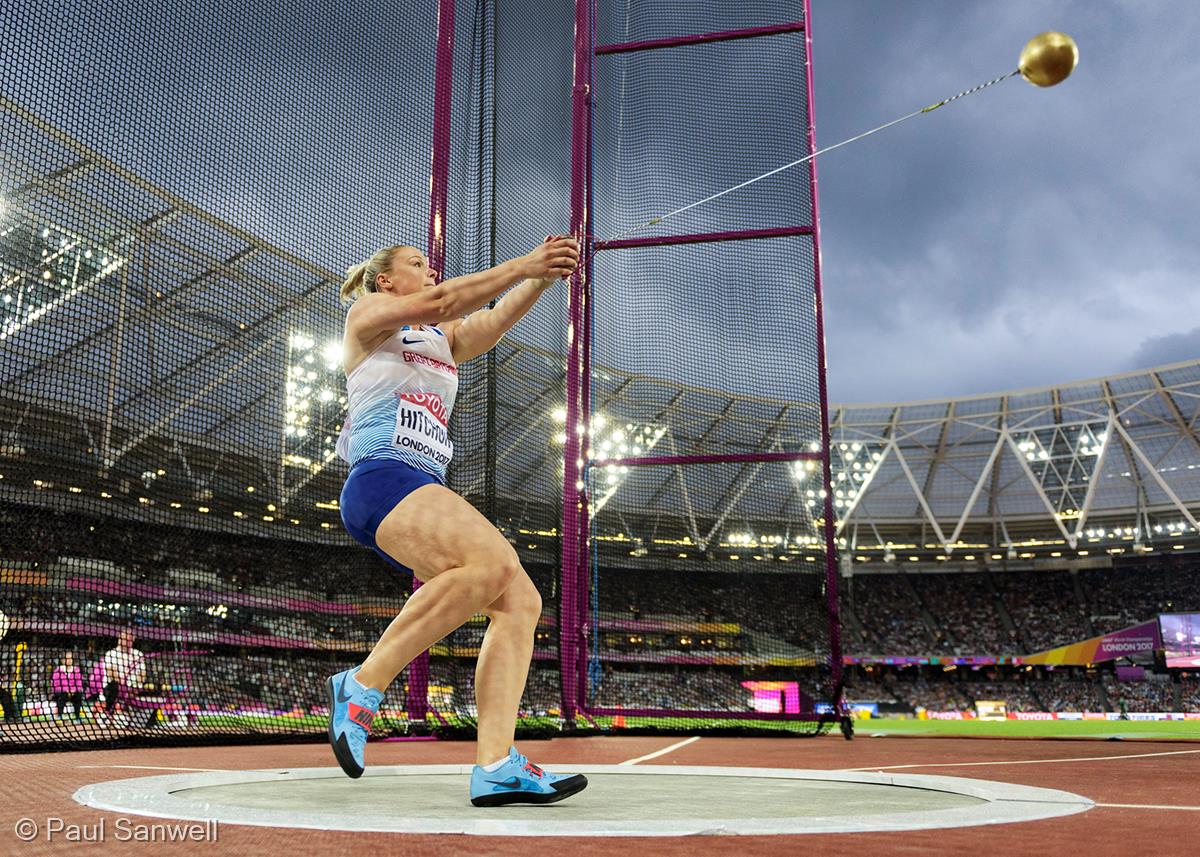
(421, 427)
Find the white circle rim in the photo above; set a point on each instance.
(1003, 803)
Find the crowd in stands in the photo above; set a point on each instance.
(156, 554)
(542, 695)
(1117, 603)
(250, 683)
(253, 681)
(786, 606)
(936, 694)
(1149, 695)
(687, 689)
(1022, 690)
(1069, 693)
(1189, 694)
(44, 612)
(1044, 606)
(991, 612)
(965, 609)
(890, 614)
(692, 690)
(213, 682)
(776, 612)
(1132, 592)
(543, 690)
(1017, 695)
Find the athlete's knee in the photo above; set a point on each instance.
(528, 603)
(507, 569)
(531, 603)
(521, 600)
(494, 570)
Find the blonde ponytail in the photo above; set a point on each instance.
(353, 287)
(360, 278)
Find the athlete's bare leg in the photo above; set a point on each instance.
(503, 666)
(467, 567)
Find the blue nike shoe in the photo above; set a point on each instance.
(520, 781)
(352, 707)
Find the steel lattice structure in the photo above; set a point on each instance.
(1111, 460)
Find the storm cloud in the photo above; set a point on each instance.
(1020, 237)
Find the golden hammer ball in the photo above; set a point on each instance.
(1049, 58)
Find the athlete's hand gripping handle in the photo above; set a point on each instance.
(555, 259)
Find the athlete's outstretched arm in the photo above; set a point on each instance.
(479, 332)
(373, 314)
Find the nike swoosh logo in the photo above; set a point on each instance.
(510, 783)
(408, 341)
(342, 695)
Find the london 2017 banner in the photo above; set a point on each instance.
(1141, 639)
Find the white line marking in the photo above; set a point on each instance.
(663, 751)
(158, 768)
(1024, 762)
(1150, 806)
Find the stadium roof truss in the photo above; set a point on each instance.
(103, 270)
(1111, 457)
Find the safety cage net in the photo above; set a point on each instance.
(182, 188)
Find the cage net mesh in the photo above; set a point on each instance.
(178, 203)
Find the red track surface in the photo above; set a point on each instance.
(40, 786)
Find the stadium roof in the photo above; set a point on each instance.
(1115, 457)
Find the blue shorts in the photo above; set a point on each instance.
(372, 490)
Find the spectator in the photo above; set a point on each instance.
(66, 684)
(8, 679)
(96, 682)
(124, 670)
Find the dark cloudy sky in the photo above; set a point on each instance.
(1020, 237)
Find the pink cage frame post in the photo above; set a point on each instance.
(572, 639)
(417, 698)
(573, 652)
